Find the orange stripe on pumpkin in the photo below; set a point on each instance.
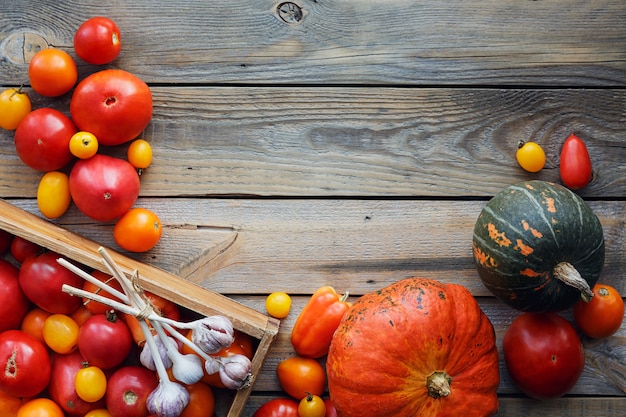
(498, 237)
(524, 249)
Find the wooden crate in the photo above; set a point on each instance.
(205, 302)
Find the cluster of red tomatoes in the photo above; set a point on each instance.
(574, 163)
(108, 108)
(65, 356)
(543, 352)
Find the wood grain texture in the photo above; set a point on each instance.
(256, 246)
(381, 142)
(339, 41)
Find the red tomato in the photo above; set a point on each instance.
(52, 72)
(575, 165)
(104, 340)
(42, 279)
(62, 387)
(128, 389)
(278, 407)
(603, 315)
(331, 411)
(543, 354)
(98, 40)
(114, 105)
(26, 364)
(42, 139)
(22, 248)
(104, 187)
(138, 230)
(299, 375)
(96, 307)
(5, 241)
(13, 302)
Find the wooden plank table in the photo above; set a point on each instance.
(351, 143)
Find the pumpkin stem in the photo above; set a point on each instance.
(438, 384)
(566, 273)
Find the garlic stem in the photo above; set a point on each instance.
(158, 362)
(90, 278)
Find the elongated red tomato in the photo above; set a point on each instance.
(575, 166)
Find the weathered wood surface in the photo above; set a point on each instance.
(353, 145)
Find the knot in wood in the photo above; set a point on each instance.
(20, 47)
(290, 12)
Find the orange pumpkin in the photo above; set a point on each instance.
(415, 348)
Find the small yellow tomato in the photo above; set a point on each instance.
(90, 383)
(60, 332)
(311, 406)
(530, 156)
(278, 304)
(83, 145)
(14, 106)
(53, 194)
(140, 154)
(99, 412)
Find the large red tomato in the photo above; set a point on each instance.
(13, 302)
(62, 388)
(25, 362)
(278, 407)
(128, 389)
(543, 354)
(42, 139)
(98, 40)
(104, 340)
(113, 104)
(42, 278)
(104, 187)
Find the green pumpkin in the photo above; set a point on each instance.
(538, 247)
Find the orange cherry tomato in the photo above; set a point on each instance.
(52, 72)
(83, 145)
(140, 154)
(53, 194)
(33, 322)
(99, 412)
(299, 375)
(14, 106)
(530, 156)
(139, 230)
(90, 383)
(201, 401)
(312, 406)
(81, 315)
(40, 407)
(603, 315)
(60, 333)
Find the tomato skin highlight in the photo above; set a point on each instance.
(543, 355)
(603, 315)
(575, 165)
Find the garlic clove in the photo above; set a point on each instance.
(212, 334)
(236, 371)
(146, 358)
(169, 399)
(188, 369)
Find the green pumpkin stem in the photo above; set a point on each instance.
(438, 384)
(566, 273)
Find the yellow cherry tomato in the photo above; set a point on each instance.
(83, 145)
(14, 106)
(99, 412)
(140, 154)
(278, 304)
(90, 383)
(311, 406)
(530, 156)
(53, 194)
(60, 332)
